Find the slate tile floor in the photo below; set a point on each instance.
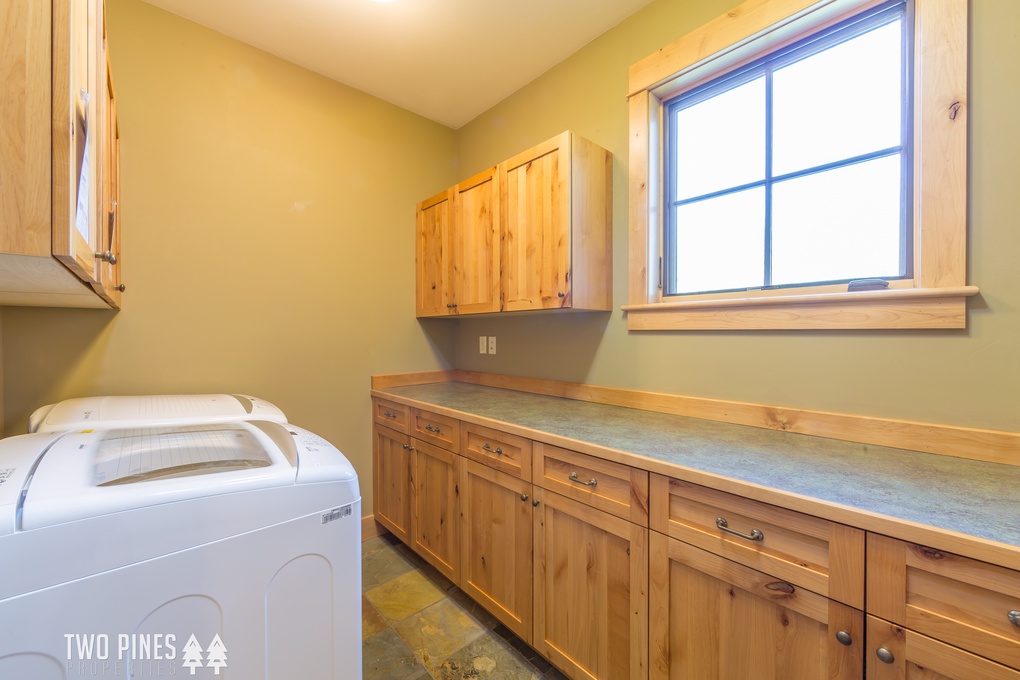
(416, 625)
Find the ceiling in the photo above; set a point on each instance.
(447, 60)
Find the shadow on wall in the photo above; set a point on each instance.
(44, 349)
(442, 337)
(559, 346)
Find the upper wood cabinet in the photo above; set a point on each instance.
(58, 157)
(432, 256)
(533, 233)
(474, 244)
(557, 226)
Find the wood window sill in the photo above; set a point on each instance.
(885, 309)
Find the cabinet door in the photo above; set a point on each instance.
(109, 214)
(898, 653)
(496, 542)
(77, 132)
(391, 471)
(714, 619)
(591, 600)
(475, 244)
(535, 198)
(25, 128)
(432, 256)
(435, 524)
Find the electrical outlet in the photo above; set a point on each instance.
(492, 344)
(483, 344)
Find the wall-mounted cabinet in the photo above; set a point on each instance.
(59, 165)
(533, 233)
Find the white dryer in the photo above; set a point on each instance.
(208, 550)
(151, 409)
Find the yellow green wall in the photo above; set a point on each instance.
(267, 243)
(969, 377)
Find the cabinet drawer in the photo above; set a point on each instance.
(435, 429)
(913, 656)
(822, 556)
(499, 450)
(391, 414)
(616, 488)
(955, 599)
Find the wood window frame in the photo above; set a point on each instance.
(934, 297)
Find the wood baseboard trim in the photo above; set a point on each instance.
(370, 528)
(992, 446)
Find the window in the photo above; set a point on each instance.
(798, 152)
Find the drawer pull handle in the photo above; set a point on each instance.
(755, 535)
(408, 447)
(1014, 617)
(390, 414)
(843, 638)
(433, 429)
(591, 480)
(884, 655)
(498, 450)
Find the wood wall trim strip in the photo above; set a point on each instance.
(991, 446)
(381, 382)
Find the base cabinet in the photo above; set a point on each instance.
(434, 532)
(591, 577)
(392, 480)
(712, 618)
(496, 544)
(612, 573)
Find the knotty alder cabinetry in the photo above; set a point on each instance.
(565, 575)
(533, 233)
(59, 168)
(612, 572)
(933, 614)
(742, 589)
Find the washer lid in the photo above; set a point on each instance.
(154, 409)
(90, 473)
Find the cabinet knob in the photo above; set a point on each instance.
(524, 496)
(534, 504)
(107, 257)
(561, 294)
(884, 655)
(1014, 617)
(121, 287)
(843, 638)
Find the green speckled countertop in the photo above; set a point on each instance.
(956, 494)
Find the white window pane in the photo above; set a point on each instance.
(720, 142)
(839, 224)
(720, 243)
(839, 103)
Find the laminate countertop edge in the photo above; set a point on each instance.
(954, 504)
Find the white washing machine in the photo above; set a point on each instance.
(202, 550)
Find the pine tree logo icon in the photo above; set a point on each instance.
(217, 657)
(193, 655)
